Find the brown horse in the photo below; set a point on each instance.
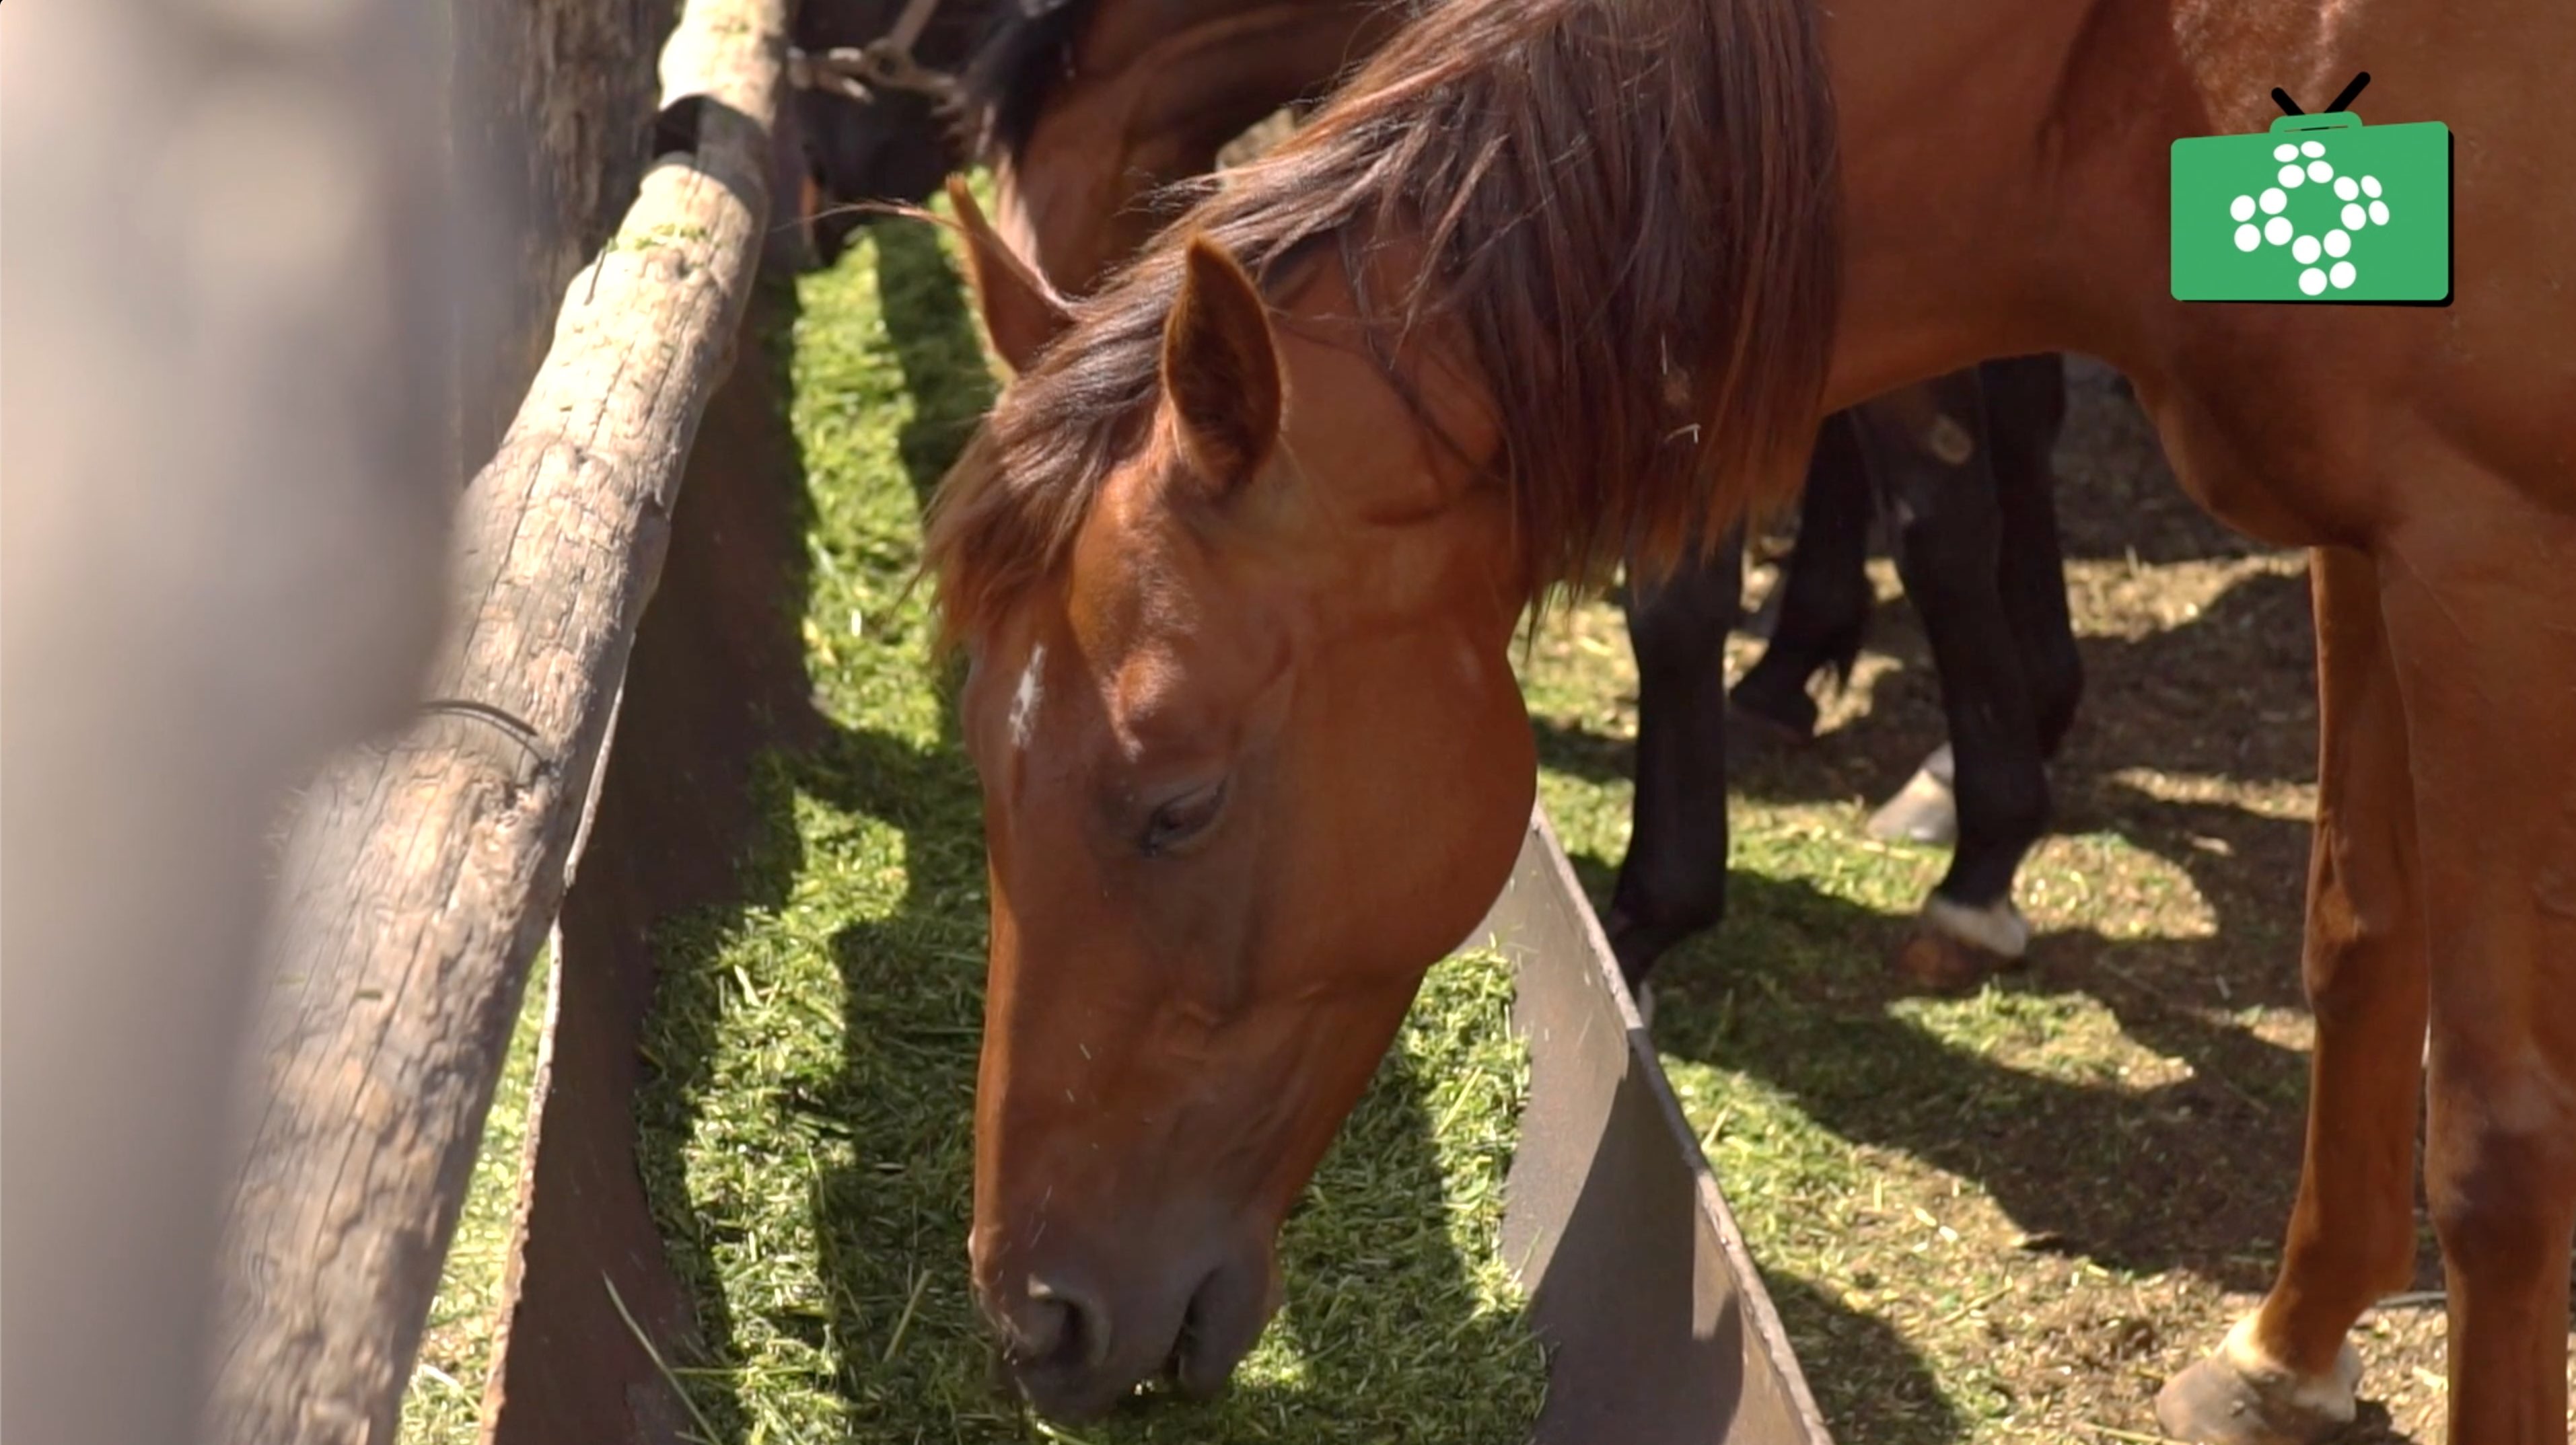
(1240, 552)
(1092, 114)
(1097, 116)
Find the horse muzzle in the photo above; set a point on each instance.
(1076, 1337)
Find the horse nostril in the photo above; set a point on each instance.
(1063, 1328)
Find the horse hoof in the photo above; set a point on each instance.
(1780, 704)
(1936, 962)
(1997, 929)
(1923, 811)
(2236, 1396)
(1953, 948)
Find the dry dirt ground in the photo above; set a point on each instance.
(2009, 1217)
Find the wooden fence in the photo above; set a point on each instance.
(300, 731)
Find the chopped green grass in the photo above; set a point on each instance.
(806, 1128)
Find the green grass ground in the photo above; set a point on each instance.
(2003, 1218)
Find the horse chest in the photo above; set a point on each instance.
(2273, 486)
(2263, 437)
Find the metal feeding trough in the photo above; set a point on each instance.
(1659, 1329)
(1609, 1196)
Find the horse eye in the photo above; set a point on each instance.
(1182, 819)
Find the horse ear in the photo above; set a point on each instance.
(1022, 313)
(1220, 368)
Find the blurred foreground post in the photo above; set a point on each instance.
(423, 873)
(227, 488)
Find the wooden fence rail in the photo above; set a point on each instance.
(423, 875)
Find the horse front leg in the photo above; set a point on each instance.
(2025, 414)
(2480, 605)
(2286, 1373)
(1087, 189)
(1925, 444)
(2025, 409)
(1824, 589)
(1672, 883)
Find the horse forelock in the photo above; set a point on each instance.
(1628, 208)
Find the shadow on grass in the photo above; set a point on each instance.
(930, 323)
(1869, 1383)
(2187, 1175)
(680, 1041)
(927, 795)
(2194, 1176)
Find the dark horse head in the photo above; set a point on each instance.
(895, 144)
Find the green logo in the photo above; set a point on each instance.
(2322, 208)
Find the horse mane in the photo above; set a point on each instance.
(1023, 54)
(1629, 207)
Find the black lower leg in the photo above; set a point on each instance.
(2026, 409)
(1948, 539)
(1673, 881)
(1825, 593)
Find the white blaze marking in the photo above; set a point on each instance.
(1024, 701)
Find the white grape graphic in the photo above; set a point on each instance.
(2303, 163)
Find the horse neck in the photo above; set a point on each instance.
(1121, 34)
(1155, 90)
(1943, 116)
(2005, 166)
